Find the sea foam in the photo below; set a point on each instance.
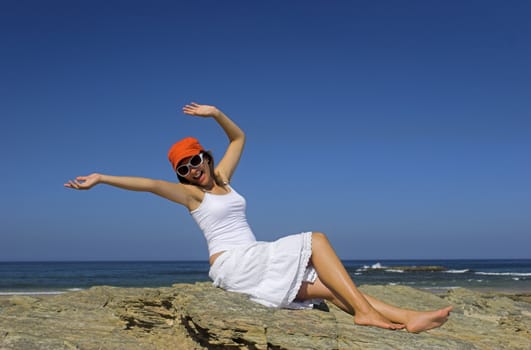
(519, 274)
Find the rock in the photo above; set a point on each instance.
(199, 316)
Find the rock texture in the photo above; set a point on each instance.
(198, 316)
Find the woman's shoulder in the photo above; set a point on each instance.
(185, 194)
(221, 178)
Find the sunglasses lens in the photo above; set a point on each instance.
(182, 170)
(196, 160)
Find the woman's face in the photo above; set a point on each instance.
(195, 169)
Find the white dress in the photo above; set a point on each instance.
(271, 273)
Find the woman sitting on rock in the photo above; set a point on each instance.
(289, 272)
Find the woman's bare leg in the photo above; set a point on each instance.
(317, 290)
(333, 275)
(415, 321)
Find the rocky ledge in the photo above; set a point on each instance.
(198, 316)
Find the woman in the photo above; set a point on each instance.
(289, 272)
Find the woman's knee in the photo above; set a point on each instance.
(319, 237)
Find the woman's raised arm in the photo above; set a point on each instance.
(231, 158)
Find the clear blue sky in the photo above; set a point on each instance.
(401, 129)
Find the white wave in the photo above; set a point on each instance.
(517, 274)
(376, 266)
(394, 270)
(33, 293)
(47, 292)
(457, 271)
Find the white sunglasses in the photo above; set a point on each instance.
(194, 162)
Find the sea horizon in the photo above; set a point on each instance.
(435, 275)
(206, 260)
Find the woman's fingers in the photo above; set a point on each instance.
(71, 184)
(200, 110)
(193, 108)
(83, 182)
(189, 109)
(75, 184)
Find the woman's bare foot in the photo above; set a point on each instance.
(420, 321)
(376, 320)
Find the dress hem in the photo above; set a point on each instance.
(306, 255)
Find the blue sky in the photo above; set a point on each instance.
(401, 129)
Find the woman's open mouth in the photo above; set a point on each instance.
(198, 174)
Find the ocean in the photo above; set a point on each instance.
(29, 278)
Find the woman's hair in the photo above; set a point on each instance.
(208, 156)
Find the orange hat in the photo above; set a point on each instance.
(187, 147)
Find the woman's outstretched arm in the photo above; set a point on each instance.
(236, 136)
(172, 191)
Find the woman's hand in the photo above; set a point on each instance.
(200, 110)
(84, 182)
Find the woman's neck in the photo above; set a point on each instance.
(214, 188)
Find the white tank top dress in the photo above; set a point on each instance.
(270, 273)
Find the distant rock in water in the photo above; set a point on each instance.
(380, 267)
(199, 316)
